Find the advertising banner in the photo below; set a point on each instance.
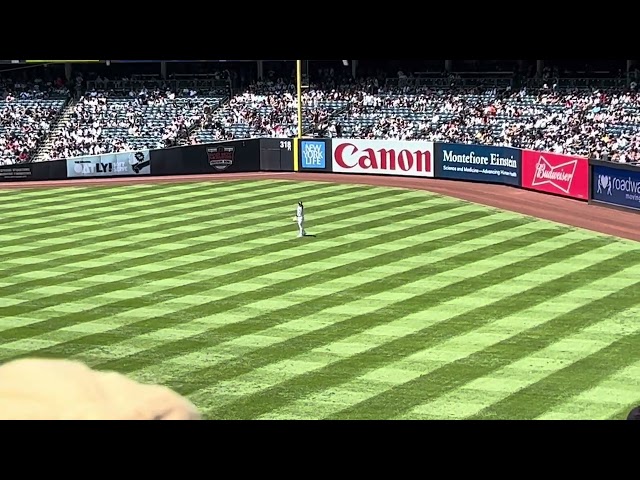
(20, 171)
(383, 157)
(615, 186)
(109, 165)
(564, 175)
(313, 154)
(40, 171)
(478, 163)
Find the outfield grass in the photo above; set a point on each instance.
(405, 305)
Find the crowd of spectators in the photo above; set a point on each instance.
(270, 109)
(591, 122)
(104, 122)
(27, 112)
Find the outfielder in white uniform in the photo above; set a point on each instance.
(300, 219)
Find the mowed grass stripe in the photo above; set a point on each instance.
(193, 275)
(190, 249)
(79, 255)
(273, 398)
(16, 199)
(255, 324)
(215, 240)
(316, 305)
(64, 198)
(296, 365)
(216, 279)
(157, 211)
(145, 300)
(320, 357)
(578, 376)
(120, 201)
(481, 393)
(128, 263)
(184, 315)
(402, 398)
(396, 366)
(611, 398)
(44, 193)
(207, 228)
(102, 229)
(359, 260)
(175, 273)
(398, 265)
(212, 243)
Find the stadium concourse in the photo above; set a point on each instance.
(42, 121)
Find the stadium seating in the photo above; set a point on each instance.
(125, 114)
(24, 123)
(264, 113)
(587, 122)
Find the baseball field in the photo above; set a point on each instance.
(403, 305)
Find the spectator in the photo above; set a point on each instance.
(26, 116)
(102, 122)
(596, 123)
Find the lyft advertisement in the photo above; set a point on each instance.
(383, 157)
(616, 186)
(110, 165)
(478, 163)
(564, 175)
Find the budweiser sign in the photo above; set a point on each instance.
(554, 173)
(383, 157)
(560, 176)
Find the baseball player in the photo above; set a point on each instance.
(300, 219)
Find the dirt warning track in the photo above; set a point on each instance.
(549, 207)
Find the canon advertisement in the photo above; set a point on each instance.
(478, 163)
(616, 186)
(383, 157)
(564, 175)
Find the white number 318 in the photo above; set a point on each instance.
(286, 144)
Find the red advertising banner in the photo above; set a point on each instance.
(564, 175)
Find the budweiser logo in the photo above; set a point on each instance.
(559, 176)
(348, 156)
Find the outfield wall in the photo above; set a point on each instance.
(604, 183)
(615, 185)
(545, 172)
(248, 155)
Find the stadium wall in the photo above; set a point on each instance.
(545, 172)
(615, 185)
(27, 172)
(248, 155)
(595, 181)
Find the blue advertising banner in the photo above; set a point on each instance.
(478, 163)
(313, 154)
(615, 186)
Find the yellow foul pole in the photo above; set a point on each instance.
(296, 143)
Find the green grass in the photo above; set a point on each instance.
(406, 305)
